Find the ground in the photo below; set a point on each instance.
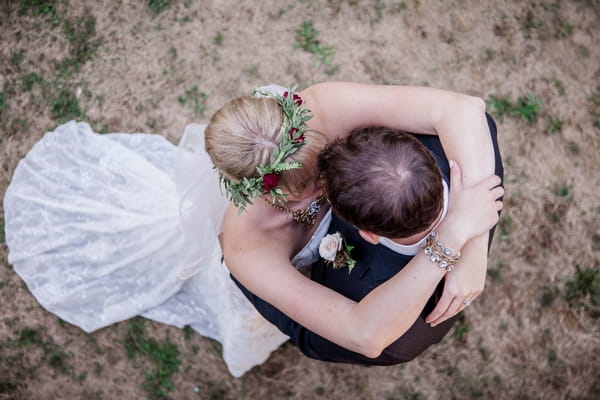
(156, 66)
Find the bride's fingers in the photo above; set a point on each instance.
(440, 308)
(467, 302)
(453, 309)
(492, 181)
(499, 205)
(497, 192)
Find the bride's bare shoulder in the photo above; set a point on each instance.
(251, 237)
(254, 225)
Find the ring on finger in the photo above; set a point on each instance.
(466, 303)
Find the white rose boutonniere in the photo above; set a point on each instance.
(335, 250)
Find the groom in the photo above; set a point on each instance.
(375, 264)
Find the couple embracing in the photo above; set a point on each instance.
(410, 230)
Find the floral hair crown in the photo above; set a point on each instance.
(291, 139)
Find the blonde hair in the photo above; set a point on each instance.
(243, 135)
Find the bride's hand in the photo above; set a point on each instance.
(472, 210)
(477, 209)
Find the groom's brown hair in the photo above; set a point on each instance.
(383, 181)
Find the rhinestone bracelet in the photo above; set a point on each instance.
(438, 253)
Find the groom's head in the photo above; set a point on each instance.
(383, 181)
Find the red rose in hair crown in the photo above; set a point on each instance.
(293, 132)
(270, 181)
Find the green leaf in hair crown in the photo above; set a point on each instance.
(291, 138)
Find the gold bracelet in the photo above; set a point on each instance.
(439, 254)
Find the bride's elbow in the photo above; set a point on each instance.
(368, 344)
(474, 103)
(373, 352)
(369, 349)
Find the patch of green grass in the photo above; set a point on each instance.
(52, 353)
(573, 147)
(490, 54)
(547, 335)
(583, 51)
(548, 295)
(7, 388)
(500, 106)
(80, 35)
(461, 328)
(2, 101)
(38, 7)
(564, 29)
(495, 273)
(173, 53)
(467, 387)
(56, 357)
(307, 40)
(529, 23)
(29, 80)
(17, 58)
(563, 190)
(27, 337)
(483, 351)
(595, 106)
(164, 356)
(218, 39)
(65, 107)
(527, 108)
(555, 125)
(397, 7)
(560, 86)
(504, 226)
(552, 357)
(196, 98)
(187, 332)
(158, 5)
(253, 71)
(583, 289)
(97, 368)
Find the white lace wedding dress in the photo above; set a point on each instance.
(106, 227)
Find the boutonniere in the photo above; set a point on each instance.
(334, 249)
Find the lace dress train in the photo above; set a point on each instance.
(104, 227)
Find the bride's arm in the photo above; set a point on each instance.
(364, 327)
(261, 263)
(459, 121)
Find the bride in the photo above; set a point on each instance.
(106, 227)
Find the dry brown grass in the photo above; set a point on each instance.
(523, 339)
